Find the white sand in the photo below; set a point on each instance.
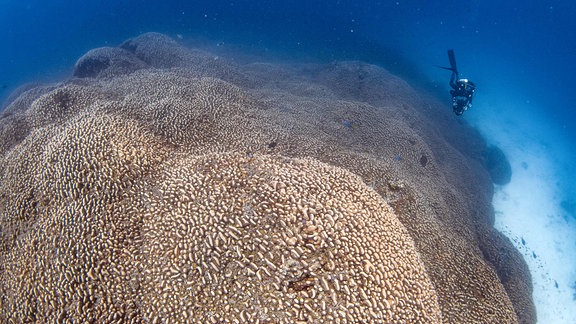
(528, 209)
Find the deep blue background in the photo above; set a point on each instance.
(522, 51)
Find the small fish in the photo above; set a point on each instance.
(533, 255)
(555, 284)
(4, 86)
(347, 124)
(523, 242)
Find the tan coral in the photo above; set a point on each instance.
(110, 167)
(205, 239)
(225, 241)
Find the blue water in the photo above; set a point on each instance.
(521, 55)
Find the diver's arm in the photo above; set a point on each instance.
(453, 79)
(472, 89)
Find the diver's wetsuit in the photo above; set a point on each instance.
(462, 93)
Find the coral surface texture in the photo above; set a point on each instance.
(163, 184)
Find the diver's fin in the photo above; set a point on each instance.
(452, 59)
(446, 68)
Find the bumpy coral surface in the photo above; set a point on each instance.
(163, 184)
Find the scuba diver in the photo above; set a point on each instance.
(462, 89)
